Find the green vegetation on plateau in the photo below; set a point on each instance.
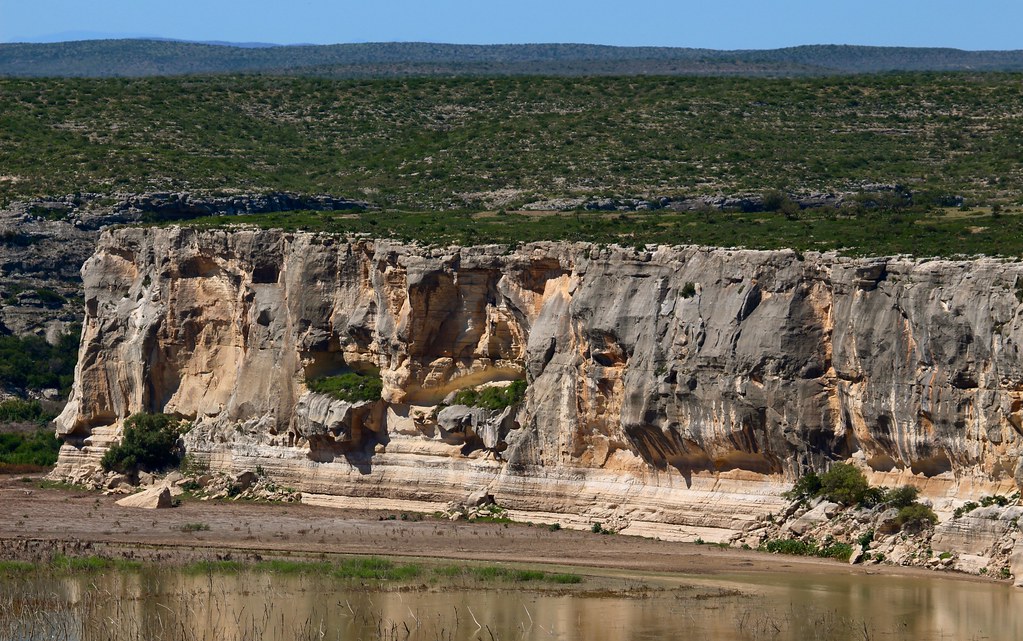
(937, 232)
(488, 143)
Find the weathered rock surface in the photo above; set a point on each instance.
(678, 390)
(44, 242)
(156, 498)
(819, 514)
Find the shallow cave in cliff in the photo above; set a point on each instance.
(326, 363)
(199, 267)
(934, 465)
(882, 463)
(327, 359)
(265, 274)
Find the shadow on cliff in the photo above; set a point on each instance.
(663, 451)
(359, 457)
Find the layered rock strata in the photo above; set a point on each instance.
(675, 391)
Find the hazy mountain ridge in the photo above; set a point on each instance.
(166, 57)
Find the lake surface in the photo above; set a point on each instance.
(170, 605)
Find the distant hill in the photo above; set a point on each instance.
(135, 58)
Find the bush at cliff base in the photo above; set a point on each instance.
(844, 484)
(150, 443)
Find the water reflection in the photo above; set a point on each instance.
(175, 606)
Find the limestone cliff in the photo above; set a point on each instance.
(676, 390)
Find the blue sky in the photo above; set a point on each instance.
(718, 24)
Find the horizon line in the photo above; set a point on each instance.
(273, 45)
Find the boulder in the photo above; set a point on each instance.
(972, 563)
(151, 499)
(245, 480)
(117, 480)
(475, 426)
(479, 498)
(819, 514)
(888, 522)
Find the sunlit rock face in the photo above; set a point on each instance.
(676, 391)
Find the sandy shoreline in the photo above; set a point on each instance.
(36, 522)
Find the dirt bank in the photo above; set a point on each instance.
(36, 522)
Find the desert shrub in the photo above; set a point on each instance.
(15, 410)
(350, 386)
(37, 449)
(773, 199)
(844, 484)
(49, 297)
(150, 443)
(874, 496)
(806, 486)
(865, 539)
(791, 546)
(916, 516)
(965, 508)
(997, 499)
(493, 398)
(830, 549)
(839, 551)
(901, 497)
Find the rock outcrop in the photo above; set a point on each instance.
(156, 498)
(44, 242)
(675, 390)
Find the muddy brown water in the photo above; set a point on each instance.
(171, 605)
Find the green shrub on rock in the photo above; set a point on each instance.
(901, 497)
(493, 398)
(844, 484)
(806, 487)
(150, 443)
(350, 386)
(916, 516)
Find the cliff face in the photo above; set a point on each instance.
(677, 391)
